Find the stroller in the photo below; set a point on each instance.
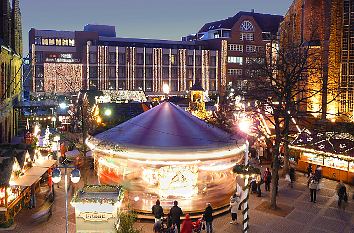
(197, 225)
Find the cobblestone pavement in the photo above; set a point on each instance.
(324, 216)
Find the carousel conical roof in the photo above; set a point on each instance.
(165, 126)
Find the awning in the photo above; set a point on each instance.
(45, 163)
(26, 180)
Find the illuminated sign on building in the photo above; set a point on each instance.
(95, 216)
(62, 58)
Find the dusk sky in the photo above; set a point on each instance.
(157, 19)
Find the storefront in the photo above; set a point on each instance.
(97, 208)
(334, 152)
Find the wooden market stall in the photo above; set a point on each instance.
(334, 152)
(20, 175)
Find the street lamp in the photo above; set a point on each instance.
(75, 178)
(108, 112)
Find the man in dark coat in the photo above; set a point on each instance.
(175, 215)
(208, 218)
(157, 211)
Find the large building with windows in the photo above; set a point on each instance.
(10, 67)
(327, 26)
(96, 59)
(242, 39)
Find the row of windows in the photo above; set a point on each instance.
(54, 41)
(166, 59)
(247, 36)
(234, 72)
(249, 48)
(139, 72)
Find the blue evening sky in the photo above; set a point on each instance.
(156, 19)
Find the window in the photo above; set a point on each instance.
(237, 60)
(212, 73)
(246, 26)
(212, 85)
(165, 72)
(39, 57)
(250, 48)
(51, 41)
(39, 85)
(93, 71)
(45, 41)
(93, 58)
(64, 42)
(58, 41)
(258, 60)
(111, 85)
(174, 72)
(139, 85)
(246, 36)
(121, 58)
(112, 58)
(139, 72)
(121, 85)
(198, 60)
(148, 85)
(37, 41)
(234, 72)
(260, 49)
(93, 84)
(190, 60)
(71, 42)
(121, 71)
(39, 72)
(165, 59)
(173, 59)
(148, 58)
(189, 73)
(236, 47)
(174, 85)
(112, 72)
(139, 59)
(212, 61)
(148, 72)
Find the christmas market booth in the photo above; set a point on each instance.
(97, 208)
(20, 175)
(333, 151)
(168, 154)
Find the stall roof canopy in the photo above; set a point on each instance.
(165, 126)
(330, 142)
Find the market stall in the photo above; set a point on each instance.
(333, 151)
(97, 208)
(168, 154)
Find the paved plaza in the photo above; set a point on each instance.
(322, 217)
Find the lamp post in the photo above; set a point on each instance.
(75, 178)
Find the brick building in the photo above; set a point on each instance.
(327, 27)
(10, 67)
(241, 39)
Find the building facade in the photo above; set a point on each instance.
(328, 28)
(242, 39)
(10, 67)
(96, 59)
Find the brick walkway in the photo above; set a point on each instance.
(322, 217)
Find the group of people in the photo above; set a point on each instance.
(257, 182)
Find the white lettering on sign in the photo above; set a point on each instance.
(95, 216)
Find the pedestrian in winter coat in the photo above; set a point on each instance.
(318, 173)
(157, 211)
(267, 177)
(292, 176)
(208, 218)
(175, 215)
(309, 170)
(342, 193)
(313, 185)
(187, 226)
(259, 182)
(234, 203)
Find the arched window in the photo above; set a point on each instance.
(246, 26)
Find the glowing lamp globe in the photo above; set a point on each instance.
(63, 105)
(56, 175)
(75, 176)
(108, 112)
(245, 125)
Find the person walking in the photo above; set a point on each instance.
(267, 177)
(187, 226)
(292, 176)
(313, 184)
(309, 170)
(157, 211)
(175, 215)
(208, 218)
(259, 182)
(234, 203)
(342, 194)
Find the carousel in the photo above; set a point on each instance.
(168, 154)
